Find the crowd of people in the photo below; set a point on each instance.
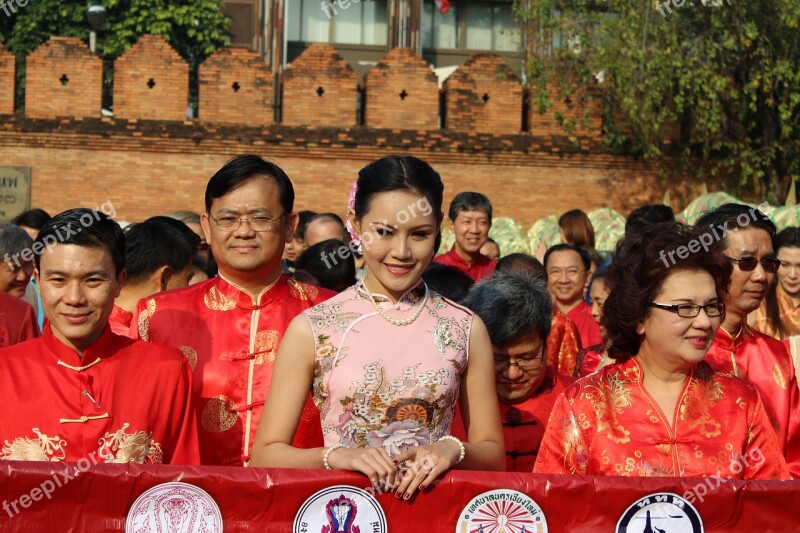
(256, 335)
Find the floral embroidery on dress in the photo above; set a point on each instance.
(378, 384)
(609, 398)
(324, 316)
(323, 364)
(701, 394)
(573, 445)
(43, 448)
(375, 416)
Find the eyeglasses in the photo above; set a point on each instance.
(692, 310)
(748, 264)
(525, 364)
(571, 273)
(259, 223)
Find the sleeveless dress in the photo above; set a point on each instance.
(381, 385)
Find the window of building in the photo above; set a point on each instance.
(362, 23)
(471, 25)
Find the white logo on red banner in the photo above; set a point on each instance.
(499, 511)
(174, 507)
(340, 509)
(662, 511)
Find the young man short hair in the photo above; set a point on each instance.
(158, 255)
(80, 391)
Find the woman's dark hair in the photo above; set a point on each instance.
(577, 228)
(787, 238)
(83, 227)
(644, 216)
(331, 263)
(35, 218)
(450, 282)
(600, 273)
(638, 271)
(519, 262)
(303, 218)
(397, 173)
(241, 169)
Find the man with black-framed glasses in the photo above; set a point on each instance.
(747, 236)
(517, 310)
(229, 327)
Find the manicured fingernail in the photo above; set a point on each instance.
(395, 462)
(407, 496)
(398, 494)
(422, 487)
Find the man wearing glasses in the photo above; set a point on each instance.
(229, 327)
(516, 308)
(760, 360)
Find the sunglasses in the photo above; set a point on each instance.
(748, 264)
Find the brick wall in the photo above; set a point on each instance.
(484, 95)
(7, 72)
(151, 81)
(402, 93)
(162, 164)
(235, 87)
(319, 89)
(149, 168)
(572, 110)
(63, 78)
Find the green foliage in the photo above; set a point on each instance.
(195, 28)
(727, 72)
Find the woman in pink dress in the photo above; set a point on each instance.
(387, 359)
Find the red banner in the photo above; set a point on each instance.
(96, 498)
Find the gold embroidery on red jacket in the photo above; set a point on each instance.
(144, 320)
(124, 447)
(216, 301)
(43, 448)
(219, 415)
(190, 354)
(302, 291)
(266, 346)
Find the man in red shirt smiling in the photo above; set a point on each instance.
(470, 219)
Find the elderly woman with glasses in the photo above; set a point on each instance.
(661, 410)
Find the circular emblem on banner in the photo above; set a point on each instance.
(340, 509)
(662, 511)
(174, 507)
(499, 511)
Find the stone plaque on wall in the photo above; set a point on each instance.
(15, 191)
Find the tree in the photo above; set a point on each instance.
(195, 28)
(727, 73)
